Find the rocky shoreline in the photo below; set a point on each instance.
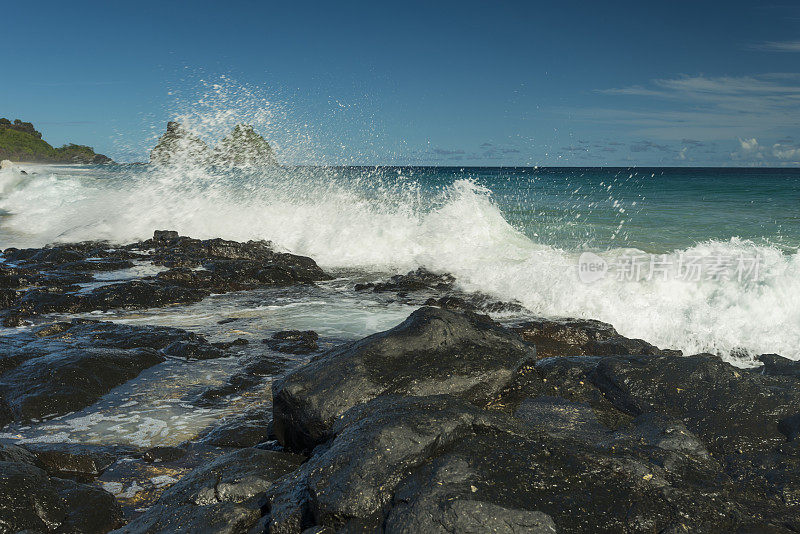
(449, 422)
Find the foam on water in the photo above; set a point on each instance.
(373, 220)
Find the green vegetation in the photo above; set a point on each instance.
(20, 146)
(19, 141)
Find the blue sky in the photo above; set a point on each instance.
(444, 83)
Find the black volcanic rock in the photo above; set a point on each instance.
(34, 502)
(413, 281)
(234, 275)
(135, 294)
(69, 379)
(567, 378)
(247, 429)
(193, 350)
(223, 258)
(66, 366)
(45, 280)
(433, 351)
(437, 464)
(91, 333)
(580, 337)
(164, 453)
(391, 435)
(222, 496)
(776, 365)
(228, 265)
(7, 297)
(13, 453)
(82, 462)
(426, 288)
(643, 443)
(732, 410)
(293, 341)
(474, 302)
(90, 509)
(164, 235)
(30, 502)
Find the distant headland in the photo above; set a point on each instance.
(242, 147)
(19, 141)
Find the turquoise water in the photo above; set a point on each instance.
(653, 209)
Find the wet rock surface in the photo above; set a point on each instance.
(82, 462)
(413, 281)
(643, 443)
(42, 281)
(248, 429)
(434, 351)
(426, 462)
(424, 287)
(581, 337)
(449, 422)
(69, 379)
(32, 501)
(138, 480)
(294, 342)
(733, 411)
(225, 495)
(62, 367)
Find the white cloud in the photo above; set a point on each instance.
(778, 46)
(707, 107)
(749, 151)
(749, 145)
(786, 152)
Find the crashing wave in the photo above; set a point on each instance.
(368, 221)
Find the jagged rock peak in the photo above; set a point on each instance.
(179, 144)
(244, 147)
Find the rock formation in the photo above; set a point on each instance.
(179, 145)
(243, 147)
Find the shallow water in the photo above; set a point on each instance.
(156, 408)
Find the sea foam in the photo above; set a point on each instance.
(380, 220)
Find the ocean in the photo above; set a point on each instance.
(698, 259)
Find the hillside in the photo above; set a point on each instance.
(19, 141)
